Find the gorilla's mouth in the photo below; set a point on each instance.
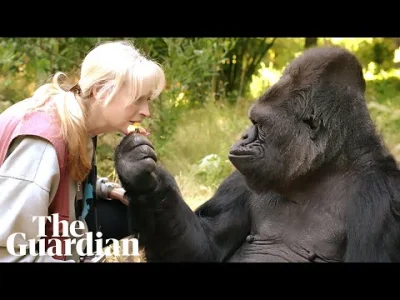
(243, 151)
(248, 145)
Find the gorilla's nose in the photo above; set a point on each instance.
(249, 136)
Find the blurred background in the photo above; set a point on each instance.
(211, 83)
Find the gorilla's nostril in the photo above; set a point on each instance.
(245, 136)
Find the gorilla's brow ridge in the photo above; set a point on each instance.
(277, 89)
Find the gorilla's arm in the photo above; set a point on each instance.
(170, 231)
(167, 227)
(372, 226)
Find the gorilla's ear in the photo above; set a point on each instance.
(314, 123)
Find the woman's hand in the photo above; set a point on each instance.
(119, 194)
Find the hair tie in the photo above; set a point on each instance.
(76, 89)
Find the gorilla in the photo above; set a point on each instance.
(313, 180)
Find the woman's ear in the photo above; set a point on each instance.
(96, 95)
(100, 91)
(95, 91)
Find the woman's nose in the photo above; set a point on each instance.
(145, 111)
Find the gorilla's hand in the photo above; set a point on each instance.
(135, 161)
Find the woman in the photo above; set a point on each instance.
(46, 147)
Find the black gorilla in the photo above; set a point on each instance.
(314, 182)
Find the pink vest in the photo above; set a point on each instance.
(14, 123)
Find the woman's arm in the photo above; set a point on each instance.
(29, 179)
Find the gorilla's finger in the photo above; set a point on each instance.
(134, 140)
(146, 183)
(147, 165)
(141, 140)
(140, 176)
(137, 171)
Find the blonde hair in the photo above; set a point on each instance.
(106, 68)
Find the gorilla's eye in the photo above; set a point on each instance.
(253, 122)
(311, 122)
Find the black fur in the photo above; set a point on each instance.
(314, 182)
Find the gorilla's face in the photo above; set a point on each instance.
(302, 122)
(285, 140)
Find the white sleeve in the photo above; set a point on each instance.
(29, 179)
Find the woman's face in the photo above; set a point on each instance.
(123, 111)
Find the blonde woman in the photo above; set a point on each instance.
(47, 150)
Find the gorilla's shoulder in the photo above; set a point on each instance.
(235, 180)
(232, 194)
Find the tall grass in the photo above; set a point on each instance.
(384, 105)
(197, 154)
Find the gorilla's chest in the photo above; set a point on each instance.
(286, 231)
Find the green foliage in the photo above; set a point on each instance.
(26, 63)
(242, 60)
(379, 51)
(383, 97)
(283, 51)
(384, 90)
(106, 145)
(211, 169)
(192, 66)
